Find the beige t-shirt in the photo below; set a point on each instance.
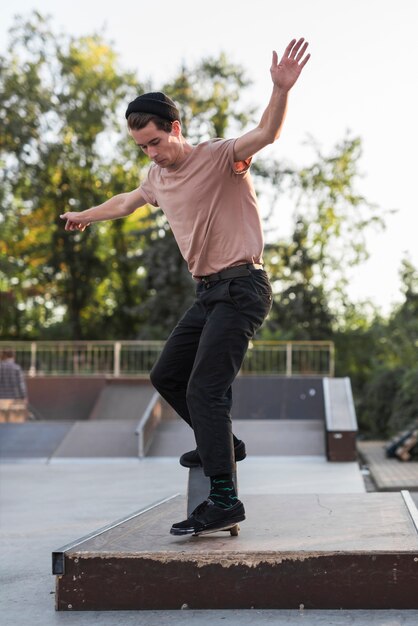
(210, 204)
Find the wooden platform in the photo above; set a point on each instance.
(349, 551)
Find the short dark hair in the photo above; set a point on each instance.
(137, 120)
(7, 353)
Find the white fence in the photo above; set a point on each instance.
(135, 358)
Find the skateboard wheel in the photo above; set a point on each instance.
(234, 530)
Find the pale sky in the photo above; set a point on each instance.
(362, 77)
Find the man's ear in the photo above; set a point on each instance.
(176, 128)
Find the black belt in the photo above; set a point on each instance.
(232, 272)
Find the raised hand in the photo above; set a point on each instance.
(286, 73)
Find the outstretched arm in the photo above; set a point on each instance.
(120, 205)
(284, 75)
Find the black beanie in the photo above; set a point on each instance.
(156, 103)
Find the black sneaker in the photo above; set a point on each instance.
(209, 518)
(192, 458)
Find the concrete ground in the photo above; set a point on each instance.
(45, 505)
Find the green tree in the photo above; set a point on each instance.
(310, 272)
(381, 357)
(300, 308)
(59, 98)
(402, 330)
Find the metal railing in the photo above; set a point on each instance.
(136, 358)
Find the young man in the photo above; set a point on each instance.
(207, 196)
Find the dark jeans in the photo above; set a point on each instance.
(202, 357)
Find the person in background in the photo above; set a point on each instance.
(12, 387)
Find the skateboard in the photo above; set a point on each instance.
(197, 490)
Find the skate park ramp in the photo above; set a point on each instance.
(284, 416)
(110, 438)
(35, 440)
(111, 428)
(273, 397)
(122, 402)
(262, 437)
(274, 415)
(109, 431)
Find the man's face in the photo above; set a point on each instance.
(160, 146)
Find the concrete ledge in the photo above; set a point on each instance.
(319, 551)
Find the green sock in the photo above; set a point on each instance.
(222, 491)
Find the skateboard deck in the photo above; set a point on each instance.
(198, 488)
